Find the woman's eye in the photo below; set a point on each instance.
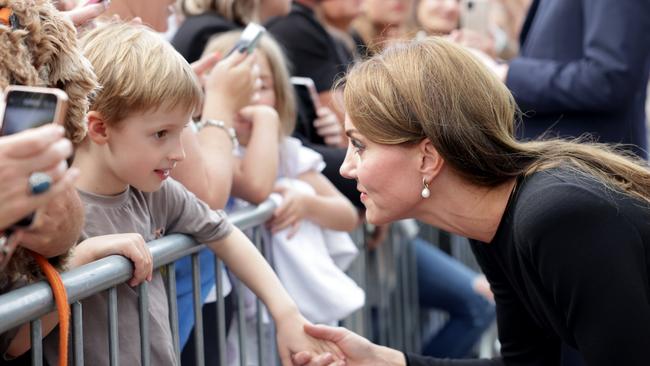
(160, 134)
(358, 147)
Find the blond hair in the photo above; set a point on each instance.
(237, 11)
(285, 101)
(434, 89)
(138, 71)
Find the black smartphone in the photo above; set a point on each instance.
(28, 107)
(308, 102)
(249, 38)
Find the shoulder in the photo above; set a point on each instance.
(563, 200)
(297, 26)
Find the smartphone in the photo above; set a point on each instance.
(307, 102)
(475, 15)
(249, 38)
(28, 107)
(306, 91)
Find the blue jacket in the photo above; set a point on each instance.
(583, 68)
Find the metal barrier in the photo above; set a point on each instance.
(388, 275)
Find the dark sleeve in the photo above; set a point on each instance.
(615, 41)
(308, 49)
(592, 263)
(195, 32)
(415, 360)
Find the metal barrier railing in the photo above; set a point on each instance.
(387, 274)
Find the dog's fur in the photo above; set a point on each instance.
(43, 51)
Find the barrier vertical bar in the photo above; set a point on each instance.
(198, 314)
(143, 309)
(77, 334)
(221, 310)
(170, 270)
(36, 335)
(113, 345)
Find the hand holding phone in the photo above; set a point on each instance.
(28, 107)
(249, 39)
(475, 15)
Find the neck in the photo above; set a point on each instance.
(96, 177)
(468, 210)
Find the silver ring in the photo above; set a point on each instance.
(39, 183)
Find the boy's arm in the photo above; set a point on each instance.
(245, 261)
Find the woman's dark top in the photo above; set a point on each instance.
(568, 264)
(195, 32)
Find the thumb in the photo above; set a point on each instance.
(326, 333)
(84, 14)
(205, 63)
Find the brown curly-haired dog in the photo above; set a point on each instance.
(41, 50)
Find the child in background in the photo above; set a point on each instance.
(310, 246)
(148, 95)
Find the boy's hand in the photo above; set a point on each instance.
(290, 213)
(130, 245)
(293, 339)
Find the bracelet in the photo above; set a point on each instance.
(222, 125)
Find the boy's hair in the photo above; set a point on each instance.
(285, 101)
(138, 71)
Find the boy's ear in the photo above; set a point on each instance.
(431, 162)
(97, 128)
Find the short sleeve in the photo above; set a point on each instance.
(187, 214)
(297, 159)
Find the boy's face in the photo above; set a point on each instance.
(144, 147)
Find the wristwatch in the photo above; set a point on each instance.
(222, 125)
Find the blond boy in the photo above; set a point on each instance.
(148, 95)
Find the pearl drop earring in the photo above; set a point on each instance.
(425, 191)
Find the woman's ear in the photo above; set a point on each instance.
(97, 128)
(431, 161)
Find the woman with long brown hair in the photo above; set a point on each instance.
(560, 228)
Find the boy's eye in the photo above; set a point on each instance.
(160, 134)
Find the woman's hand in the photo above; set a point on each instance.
(131, 246)
(42, 149)
(290, 213)
(292, 339)
(356, 350)
(473, 39)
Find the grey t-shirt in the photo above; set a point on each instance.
(172, 209)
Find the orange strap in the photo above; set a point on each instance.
(62, 307)
(5, 13)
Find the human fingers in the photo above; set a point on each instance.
(329, 129)
(56, 189)
(333, 140)
(50, 157)
(134, 249)
(205, 63)
(307, 359)
(324, 332)
(30, 142)
(82, 15)
(293, 229)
